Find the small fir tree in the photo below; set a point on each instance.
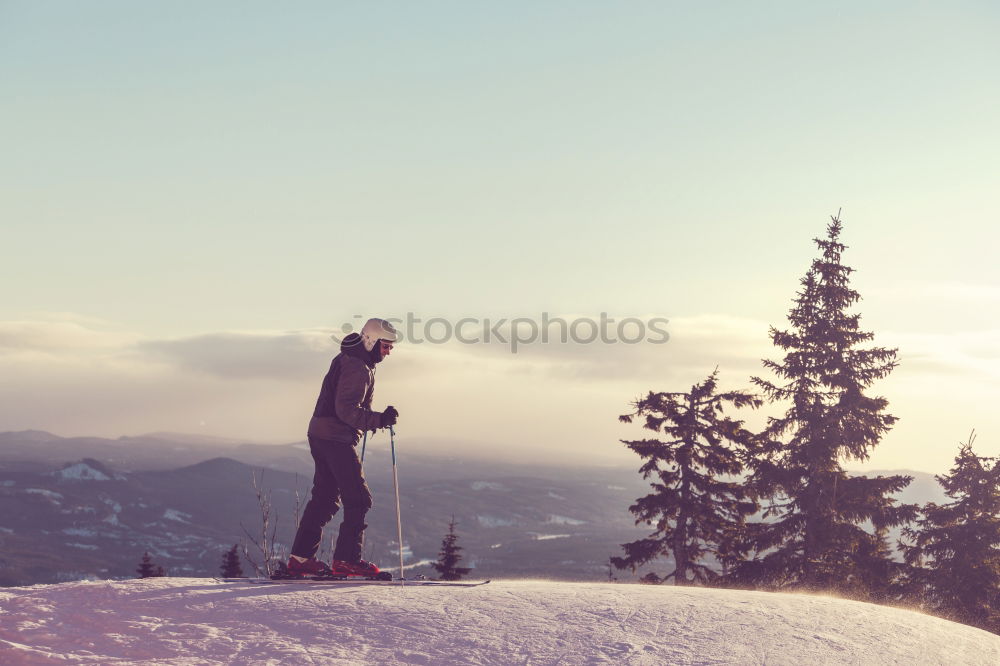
(231, 567)
(697, 502)
(954, 548)
(147, 569)
(448, 559)
(815, 537)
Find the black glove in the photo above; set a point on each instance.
(389, 416)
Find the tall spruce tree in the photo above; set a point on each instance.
(231, 567)
(814, 534)
(449, 557)
(955, 547)
(697, 504)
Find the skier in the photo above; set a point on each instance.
(343, 411)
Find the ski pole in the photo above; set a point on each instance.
(395, 484)
(364, 443)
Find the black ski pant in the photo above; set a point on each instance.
(338, 479)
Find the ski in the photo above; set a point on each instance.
(423, 582)
(382, 576)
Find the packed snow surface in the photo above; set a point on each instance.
(202, 621)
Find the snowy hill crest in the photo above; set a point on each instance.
(197, 620)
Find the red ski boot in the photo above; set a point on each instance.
(359, 568)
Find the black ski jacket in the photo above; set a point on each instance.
(343, 409)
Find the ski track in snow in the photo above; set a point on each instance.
(201, 621)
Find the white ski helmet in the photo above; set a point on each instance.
(375, 330)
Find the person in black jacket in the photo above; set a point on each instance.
(343, 411)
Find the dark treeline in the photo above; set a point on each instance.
(776, 510)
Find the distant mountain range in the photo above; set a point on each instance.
(89, 507)
(79, 507)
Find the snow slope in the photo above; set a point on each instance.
(201, 621)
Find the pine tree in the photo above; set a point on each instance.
(448, 559)
(695, 509)
(231, 567)
(955, 547)
(147, 569)
(816, 537)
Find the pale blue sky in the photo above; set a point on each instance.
(180, 169)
